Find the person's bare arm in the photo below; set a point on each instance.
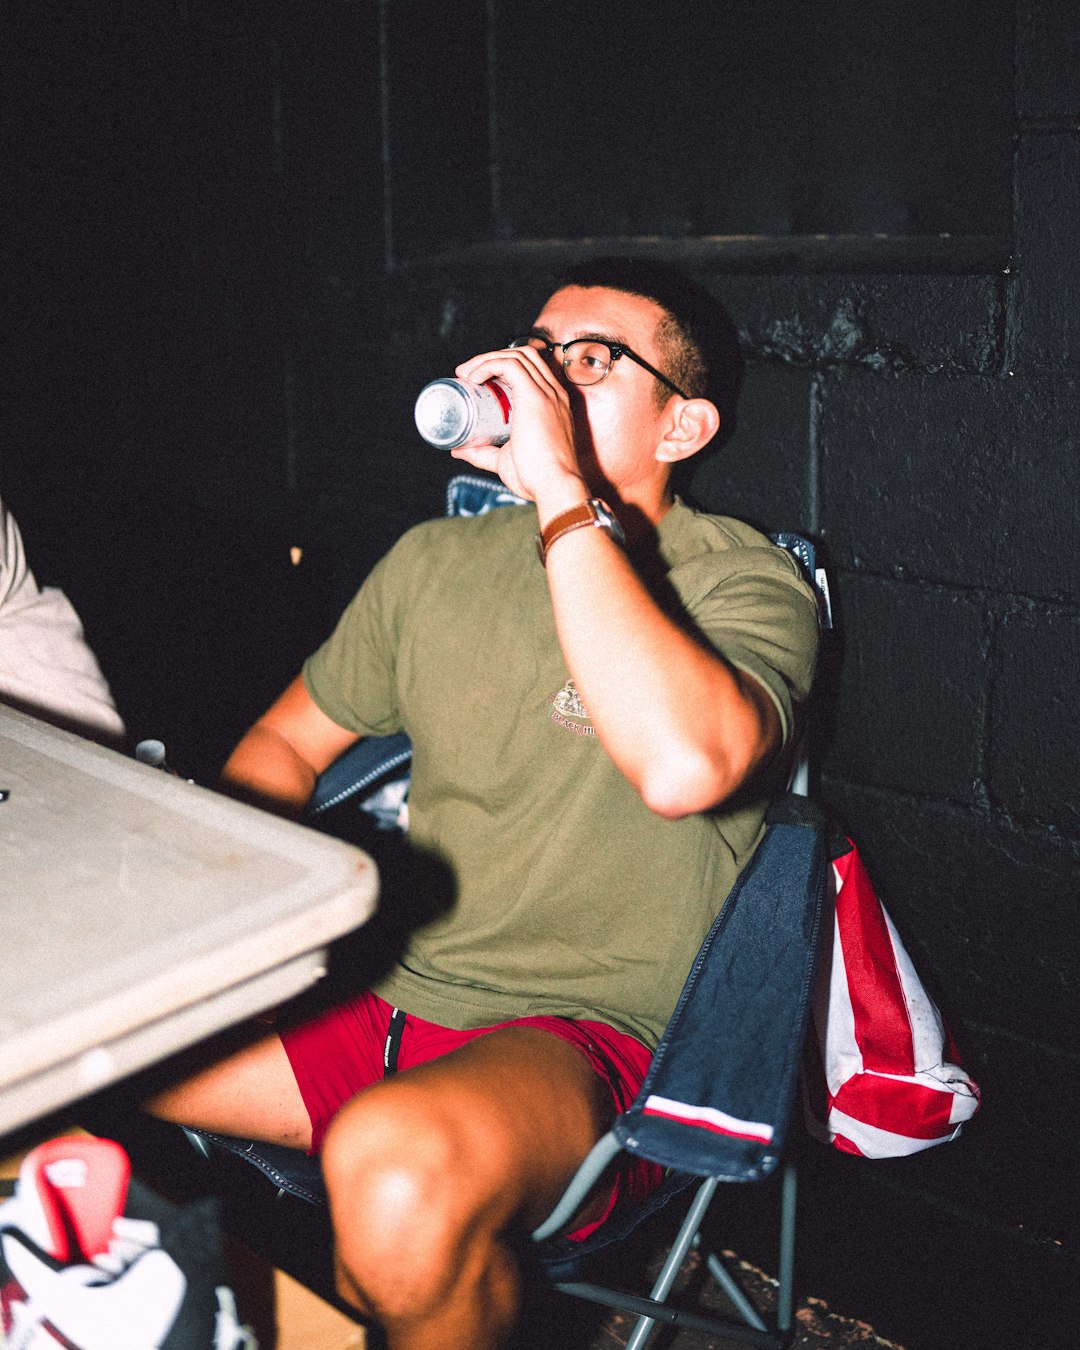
(277, 762)
(681, 723)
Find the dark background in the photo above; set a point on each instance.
(238, 239)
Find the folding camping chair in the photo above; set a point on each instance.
(717, 1101)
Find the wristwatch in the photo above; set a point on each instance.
(593, 512)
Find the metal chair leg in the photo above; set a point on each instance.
(785, 1302)
(673, 1264)
(732, 1289)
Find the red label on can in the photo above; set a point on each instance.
(503, 397)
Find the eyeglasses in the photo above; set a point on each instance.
(589, 360)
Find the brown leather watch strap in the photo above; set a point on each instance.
(592, 512)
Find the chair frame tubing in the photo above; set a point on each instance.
(753, 1330)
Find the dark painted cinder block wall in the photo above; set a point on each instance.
(240, 245)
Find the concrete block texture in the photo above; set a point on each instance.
(1047, 59)
(764, 473)
(928, 323)
(966, 481)
(987, 911)
(989, 916)
(1032, 761)
(1006, 1167)
(439, 194)
(1045, 317)
(1029, 1091)
(905, 708)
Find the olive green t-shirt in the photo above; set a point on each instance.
(572, 897)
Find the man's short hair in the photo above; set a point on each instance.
(697, 339)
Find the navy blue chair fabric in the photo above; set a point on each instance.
(726, 1115)
(718, 1099)
(369, 765)
(291, 1171)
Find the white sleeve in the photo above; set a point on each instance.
(46, 667)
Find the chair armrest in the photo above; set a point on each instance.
(360, 770)
(718, 1096)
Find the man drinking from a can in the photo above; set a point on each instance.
(601, 687)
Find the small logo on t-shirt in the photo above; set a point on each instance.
(569, 711)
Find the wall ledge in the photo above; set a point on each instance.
(847, 254)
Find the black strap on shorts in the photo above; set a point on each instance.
(392, 1047)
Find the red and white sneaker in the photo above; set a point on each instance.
(77, 1271)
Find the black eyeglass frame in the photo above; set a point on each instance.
(616, 349)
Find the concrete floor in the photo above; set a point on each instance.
(817, 1327)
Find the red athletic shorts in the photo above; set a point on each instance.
(341, 1052)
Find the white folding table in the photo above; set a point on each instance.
(140, 913)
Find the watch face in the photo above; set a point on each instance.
(606, 517)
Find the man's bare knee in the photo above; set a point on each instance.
(410, 1213)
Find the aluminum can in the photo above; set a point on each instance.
(450, 413)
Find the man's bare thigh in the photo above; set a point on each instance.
(523, 1106)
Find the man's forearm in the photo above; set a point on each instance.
(681, 723)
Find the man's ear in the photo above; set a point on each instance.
(694, 422)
